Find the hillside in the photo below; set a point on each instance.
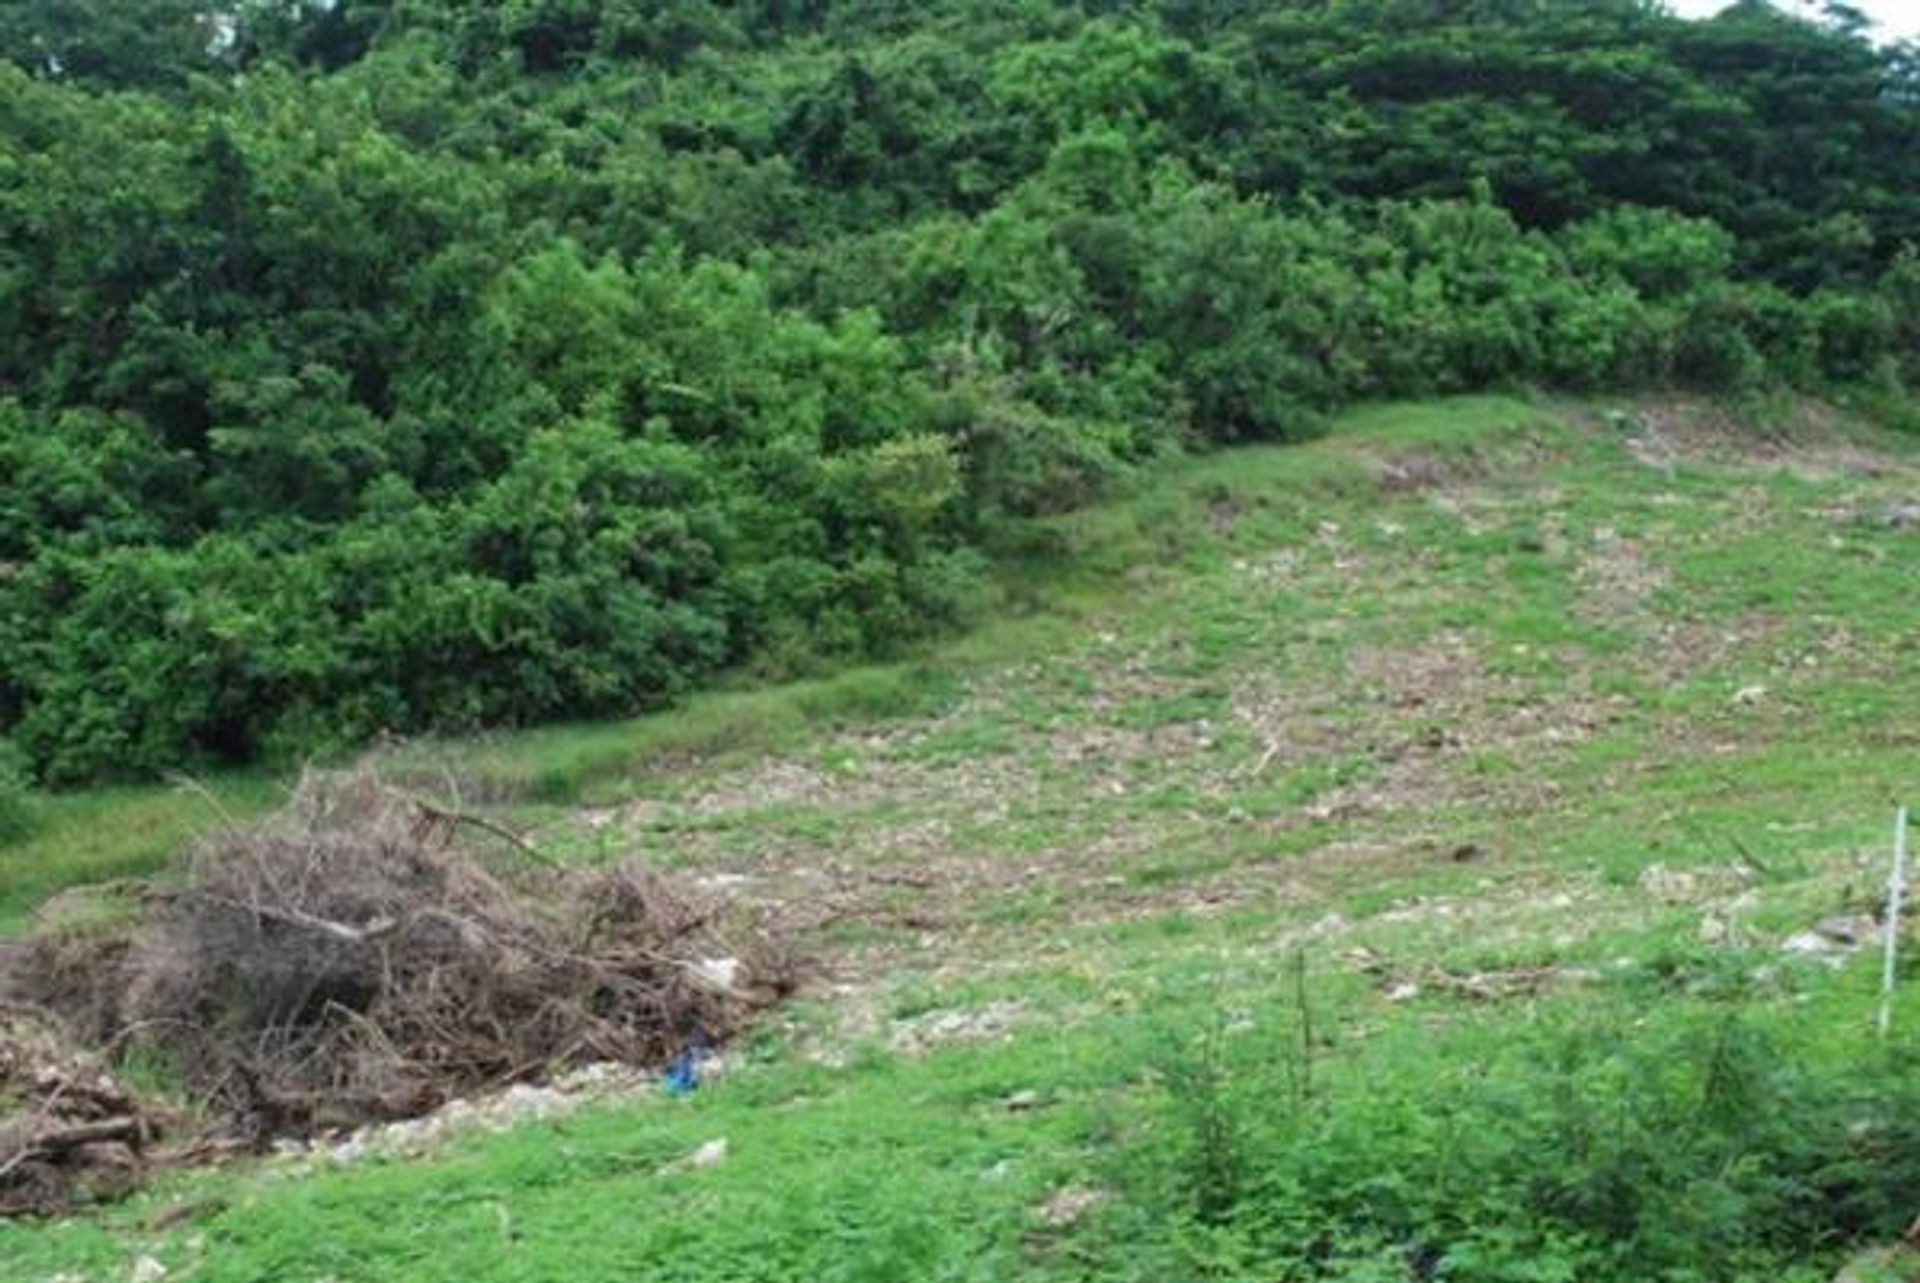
(1444, 850)
(868, 640)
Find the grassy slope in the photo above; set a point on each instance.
(1435, 733)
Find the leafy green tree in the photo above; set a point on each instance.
(115, 43)
(402, 364)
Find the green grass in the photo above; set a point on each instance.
(107, 834)
(1074, 567)
(1436, 738)
(890, 1166)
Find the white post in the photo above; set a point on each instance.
(1896, 888)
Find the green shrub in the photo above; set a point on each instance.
(1687, 1146)
(19, 809)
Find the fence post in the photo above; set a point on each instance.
(1896, 890)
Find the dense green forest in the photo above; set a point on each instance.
(410, 364)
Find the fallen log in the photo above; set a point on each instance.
(58, 1140)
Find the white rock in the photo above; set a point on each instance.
(1813, 945)
(711, 1154)
(1331, 924)
(1670, 885)
(1849, 932)
(719, 973)
(1070, 1204)
(147, 1270)
(1902, 515)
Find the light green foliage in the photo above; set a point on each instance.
(106, 834)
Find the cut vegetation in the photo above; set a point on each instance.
(1450, 850)
(1118, 781)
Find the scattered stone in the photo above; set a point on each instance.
(934, 1028)
(721, 973)
(1904, 515)
(1834, 940)
(1671, 885)
(1403, 991)
(147, 1270)
(1022, 1102)
(1850, 931)
(1365, 960)
(1749, 696)
(1332, 924)
(711, 1154)
(1492, 986)
(521, 1103)
(1070, 1204)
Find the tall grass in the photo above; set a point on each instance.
(1608, 1145)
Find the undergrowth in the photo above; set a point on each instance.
(1682, 1143)
(19, 809)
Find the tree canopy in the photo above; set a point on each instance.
(405, 364)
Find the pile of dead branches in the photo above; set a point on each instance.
(69, 1129)
(366, 954)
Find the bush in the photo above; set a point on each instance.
(19, 808)
(1020, 460)
(1688, 1145)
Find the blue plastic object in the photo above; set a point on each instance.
(682, 1074)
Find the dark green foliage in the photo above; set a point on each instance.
(389, 366)
(19, 813)
(112, 43)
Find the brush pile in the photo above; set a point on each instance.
(68, 1128)
(364, 955)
